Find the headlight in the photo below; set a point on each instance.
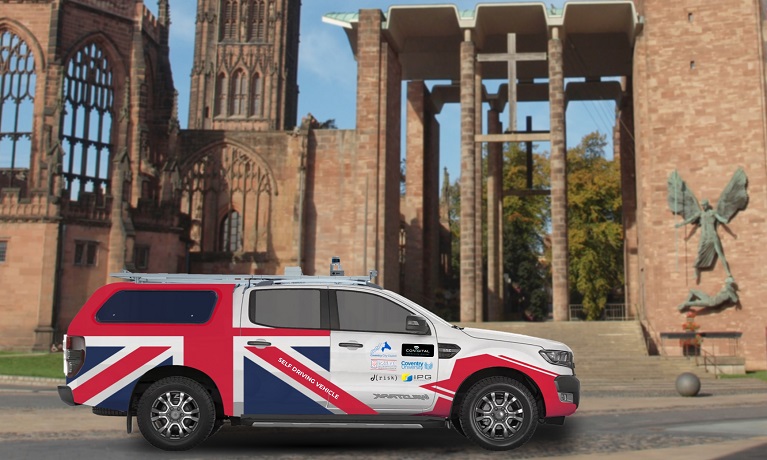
(558, 357)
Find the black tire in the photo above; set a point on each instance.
(499, 413)
(184, 413)
(216, 426)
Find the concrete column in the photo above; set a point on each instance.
(378, 153)
(421, 197)
(432, 228)
(479, 283)
(559, 258)
(414, 191)
(468, 181)
(494, 220)
(624, 145)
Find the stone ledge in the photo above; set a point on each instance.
(36, 381)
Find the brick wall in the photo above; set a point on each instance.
(336, 200)
(280, 156)
(699, 104)
(25, 282)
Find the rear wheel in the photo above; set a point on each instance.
(499, 413)
(176, 413)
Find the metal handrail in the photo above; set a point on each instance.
(704, 356)
(612, 312)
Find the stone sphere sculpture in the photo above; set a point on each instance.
(688, 384)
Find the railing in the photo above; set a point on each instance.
(612, 312)
(707, 359)
(709, 349)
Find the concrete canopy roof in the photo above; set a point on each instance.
(598, 37)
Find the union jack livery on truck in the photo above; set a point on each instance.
(186, 353)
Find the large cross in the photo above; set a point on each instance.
(511, 56)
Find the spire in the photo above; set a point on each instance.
(163, 12)
(444, 205)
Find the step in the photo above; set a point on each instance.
(610, 354)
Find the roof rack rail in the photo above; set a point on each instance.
(179, 278)
(293, 275)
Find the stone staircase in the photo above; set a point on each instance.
(611, 356)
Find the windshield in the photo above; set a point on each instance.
(421, 310)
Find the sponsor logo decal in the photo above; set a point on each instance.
(416, 366)
(416, 377)
(383, 378)
(380, 351)
(398, 396)
(419, 351)
(383, 364)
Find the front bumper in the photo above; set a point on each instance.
(65, 393)
(568, 386)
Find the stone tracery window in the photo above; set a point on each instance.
(86, 127)
(230, 233)
(221, 95)
(238, 94)
(258, 20)
(229, 13)
(255, 96)
(17, 98)
(221, 181)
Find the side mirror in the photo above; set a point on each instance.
(416, 324)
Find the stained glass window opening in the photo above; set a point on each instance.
(258, 20)
(17, 98)
(255, 91)
(239, 93)
(86, 253)
(141, 257)
(229, 19)
(231, 232)
(221, 95)
(87, 122)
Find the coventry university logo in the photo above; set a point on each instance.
(416, 365)
(382, 350)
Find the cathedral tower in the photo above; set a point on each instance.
(245, 65)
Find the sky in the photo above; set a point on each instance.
(327, 76)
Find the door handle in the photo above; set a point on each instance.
(350, 345)
(259, 343)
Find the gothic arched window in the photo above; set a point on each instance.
(86, 127)
(255, 96)
(258, 20)
(221, 92)
(238, 94)
(230, 10)
(231, 232)
(17, 100)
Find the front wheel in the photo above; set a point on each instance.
(176, 413)
(499, 413)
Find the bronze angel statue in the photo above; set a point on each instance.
(682, 202)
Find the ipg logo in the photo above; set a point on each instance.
(416, 377)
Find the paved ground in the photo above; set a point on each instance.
(35, 424)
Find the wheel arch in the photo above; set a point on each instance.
(519, 376)
(159, 373)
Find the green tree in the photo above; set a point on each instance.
(595, 229)
(454, 213)
(526, 219)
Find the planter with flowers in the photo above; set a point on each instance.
(691, 345)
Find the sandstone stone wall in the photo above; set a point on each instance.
(699, 109)
(26, 282)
